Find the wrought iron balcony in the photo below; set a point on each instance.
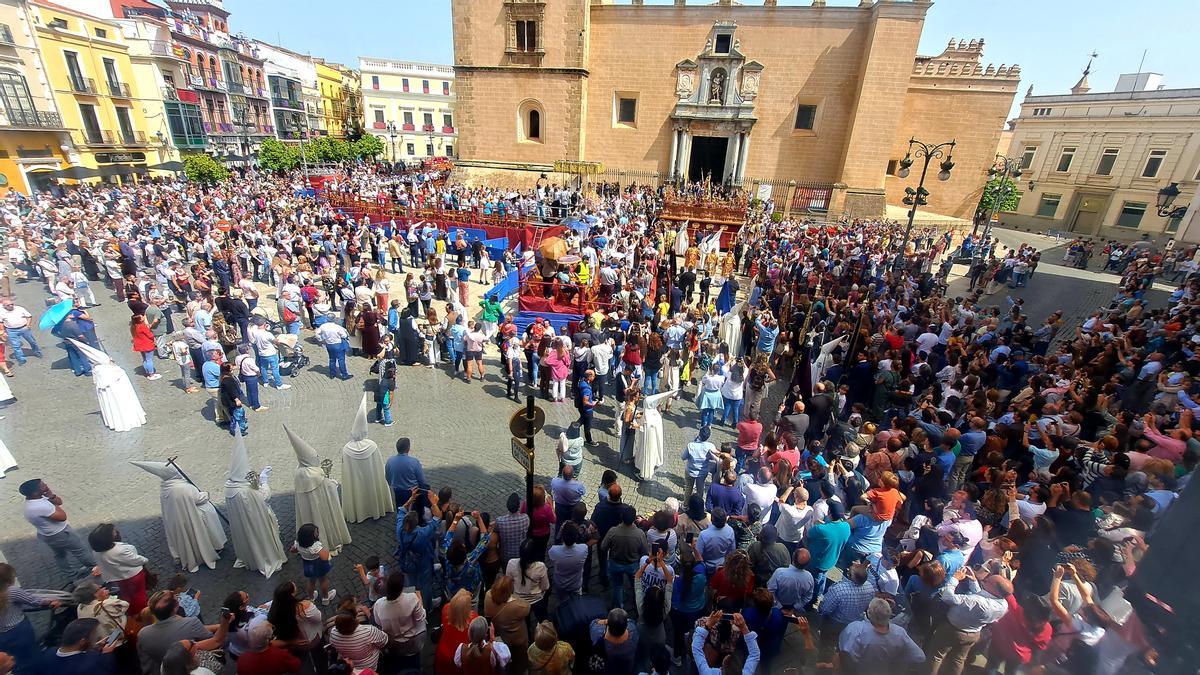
(101, 137)
(36, 119)
(118, 89)
(83, 85)
(290, 103)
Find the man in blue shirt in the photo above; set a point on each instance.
(566, 491)
(866, 538)
(696, 458)
(405, 474)
(969, 443)
(586, 405)
(77, 653)
(211, 372)
(768, 330)
(716, 541)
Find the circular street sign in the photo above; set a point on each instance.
(521, 426)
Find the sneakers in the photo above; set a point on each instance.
(329, 596)
(154, 376)
(388, 424)
(284, 386)
(261, 408)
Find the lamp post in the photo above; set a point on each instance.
(430, 142)
(392, 130)
(918, 197)
(303, 124)
(1002, 168)
(1166, 197)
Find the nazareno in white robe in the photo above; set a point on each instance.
(365, 491)
(190, 521)
(730, 330)
(317, 497)
(649, 451)
(253, 527)
(119, 405)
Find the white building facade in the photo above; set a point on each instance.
(1093, 162)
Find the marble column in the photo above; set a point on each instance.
(737, 158)
(745, 156)
(674, 151)
(685, 153)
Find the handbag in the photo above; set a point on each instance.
(289, 316)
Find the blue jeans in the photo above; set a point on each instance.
(15, 335)
(398, 262)
(383, 412)
(617, 572)
(80, 365)
(535, 363)
(148, 362)
(651, 382)
(251, 391)
(237, 416)
(293, 328)
(269, 365)
(819, 580)
(732, 412)
(337, 359)
(706, 416)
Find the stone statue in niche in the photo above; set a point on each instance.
(716, 90)
(685, 86)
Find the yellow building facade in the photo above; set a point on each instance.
(88, 68)
(329, 83)
(32, 136)
(410, 107)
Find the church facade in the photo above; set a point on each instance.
(748, 94)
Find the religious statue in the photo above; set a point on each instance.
(716, 90)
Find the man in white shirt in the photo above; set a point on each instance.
(969, 612)
(602, 353)
(337, 343)
(762, 492)
(19, 323)
(43, 509)
(268, 355)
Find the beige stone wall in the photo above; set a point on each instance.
(938, 110)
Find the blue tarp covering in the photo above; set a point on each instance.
(559, 321)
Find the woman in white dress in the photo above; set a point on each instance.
(649, 447)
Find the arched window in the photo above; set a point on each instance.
(530, 121)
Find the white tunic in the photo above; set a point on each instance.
(317, 503)
(254, 529)
(190, 521)
(649, 450)
(365, 490)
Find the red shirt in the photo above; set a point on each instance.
(543, 519)
(143, 338)
(725, 587)
(272, 661)
(1012, 637)
(749, 432)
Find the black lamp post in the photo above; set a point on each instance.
(1166, 197)
(918, 197)
(391, 133)
(1004, 168)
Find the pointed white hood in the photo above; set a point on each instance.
(163, 470)
(359, 431)
(360, 447)
(306, 455)
(97, 357)
(239, 462)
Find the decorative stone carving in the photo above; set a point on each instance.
(716, 89)
(685, 85)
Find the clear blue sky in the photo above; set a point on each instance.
(1050, 39)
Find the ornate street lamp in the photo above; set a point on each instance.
(1004, 168)
(1166, 197)
(392, 130)
(919, 197)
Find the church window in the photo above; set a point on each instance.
(527, 36)
(534, 130)
(723, 43)
(530, 119)
(625, 109)
(806, 117)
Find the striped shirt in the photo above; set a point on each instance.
(362, 646)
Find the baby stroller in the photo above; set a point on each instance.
(291, 355)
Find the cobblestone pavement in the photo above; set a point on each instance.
(458, 431)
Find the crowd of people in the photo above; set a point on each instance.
(918, 482)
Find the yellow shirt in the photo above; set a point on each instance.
(440, 247)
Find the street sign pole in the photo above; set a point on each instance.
(524, 425)
(529, 469)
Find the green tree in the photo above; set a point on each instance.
(1003, 188)
(204, 170)
(341, 150)
(275, 155)
(368, 147)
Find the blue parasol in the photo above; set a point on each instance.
(56, 314)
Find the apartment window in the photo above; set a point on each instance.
(1153, 163)
(1131, 214)
(424, 86)
(404, 84)
(378, 116)
(58, 23)
(427, 120)
(1048, 205)
(91, 123)
(723, 43)
(892, 165)
(429, 149)
(408, 117)
(1065, 159)
(450, 153)
(806, 117)
(126, 125)
(110, 71)
(1041, 112)
(1027, 156)
(410, 148)
(445, 89)
(626, 110)
(1107, 159)
(527, 40)
(1172, 225)
(374, 81)
(74, 71)
(101, 33)
(15, 98)
(448, 121)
